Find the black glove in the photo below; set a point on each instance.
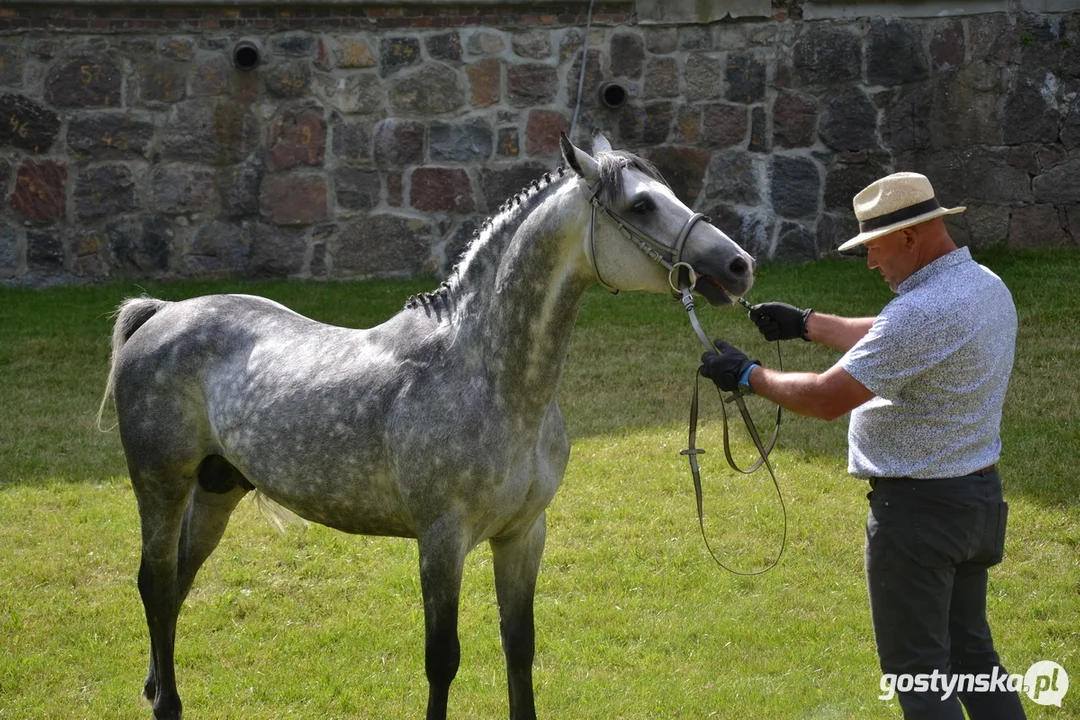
(725, 366)
(780, 321)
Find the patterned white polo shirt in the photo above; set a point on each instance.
(938, 358)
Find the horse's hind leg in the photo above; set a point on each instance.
(517, 562)
(205, 519)
(162, 500)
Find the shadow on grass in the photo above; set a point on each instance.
(631, 366)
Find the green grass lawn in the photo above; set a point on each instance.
(633, 618)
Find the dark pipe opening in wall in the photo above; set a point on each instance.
(613, 95)
(246, 55)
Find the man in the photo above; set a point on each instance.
(925, 382)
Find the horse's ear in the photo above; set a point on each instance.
(579, 161)
(600, 143)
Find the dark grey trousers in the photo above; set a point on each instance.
(928, 546)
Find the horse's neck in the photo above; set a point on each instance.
(519, 310)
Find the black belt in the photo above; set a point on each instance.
(982, 472)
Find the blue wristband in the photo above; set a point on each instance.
(744, 379)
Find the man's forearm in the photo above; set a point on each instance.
(794, 391)
(839, 333)
(826, 396)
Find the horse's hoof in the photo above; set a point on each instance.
(167, 709)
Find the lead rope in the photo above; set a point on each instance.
(682, 279)
(692, 451)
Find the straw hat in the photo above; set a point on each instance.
(898, 201)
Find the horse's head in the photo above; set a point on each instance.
(638, 229)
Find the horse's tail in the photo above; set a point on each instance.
(130, 316)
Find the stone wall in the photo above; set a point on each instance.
(372, 140)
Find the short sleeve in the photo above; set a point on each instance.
(893, 351)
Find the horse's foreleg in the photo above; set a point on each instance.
(517, 561)
(442, 557)
(205, 519)
(161, 512)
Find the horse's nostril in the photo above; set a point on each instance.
(738, 267)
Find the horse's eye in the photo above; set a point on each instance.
(642, 206)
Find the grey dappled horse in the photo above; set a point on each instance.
(441, 424)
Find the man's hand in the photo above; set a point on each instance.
(780, 321)
(727, 366)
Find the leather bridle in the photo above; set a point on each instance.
(653, 248)
(682, 279)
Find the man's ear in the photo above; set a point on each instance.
(579, 161)
(911, 237)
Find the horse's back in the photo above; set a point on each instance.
(200, 341)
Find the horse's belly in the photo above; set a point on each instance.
(360, 505)
(343, 488)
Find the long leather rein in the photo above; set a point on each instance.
(682, 278)
(692, 451)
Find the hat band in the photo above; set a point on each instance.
(919, 208)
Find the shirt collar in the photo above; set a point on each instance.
(943, 263)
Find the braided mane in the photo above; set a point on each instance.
(520, 202)
(611, 164)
